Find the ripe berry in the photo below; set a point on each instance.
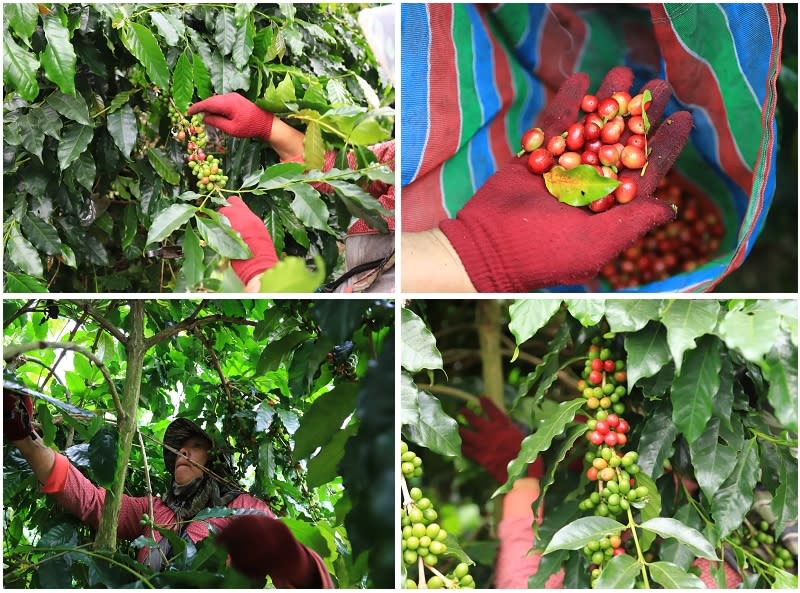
(595, 377)
(589, 157)
(540, 161)
(591, 131)
(589, 103)
(624, 193)
(636, 124)
(608, 155)
(632, 157)
(575, 137)
(597, 364)
(611, 439)
(607, 474)
(622, 98)
(532, 139)
(623, 426)
(607, 108)
(569, 160)
(635, 105)
(637, 140)
(601, 427)
(596, 438)
(556, 145)
(591, 473)
(603, 203)
(611, 132)
(622, 439)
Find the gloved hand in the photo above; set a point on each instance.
(261, 546)
(235, 115)
(494, 442)
(17, 413)
(255, 234)
(513, 236)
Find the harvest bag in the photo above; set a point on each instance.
(474, 78)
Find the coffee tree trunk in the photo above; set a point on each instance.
(488, 322)
(106, 538)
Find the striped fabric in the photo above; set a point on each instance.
(474, 78)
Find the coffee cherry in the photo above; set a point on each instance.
(575, 137)
(569, 160)
(622, 98)
(608, 155)
(532, 139)
(589, 103)
(607, 108)
(636, 124)
(603, 203)
(632, 157)
(540, 161)
(556, 145)
(635, 105)
(626, 190)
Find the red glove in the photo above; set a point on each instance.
(513, 236)
(235, 115)
(17, 413)
(261, 546)
(494, 442)
(255, 234)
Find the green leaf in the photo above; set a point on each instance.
(425, 423)
(130, 225)
(581, 531)
(103, 454)
(646, 98)
(545, 373)
(655, 443)
(368, 131)
(123, 130)
(163, 166)
(243, 44)
(73, 108)
(224, 31)
(418, 349)
(309, 535)
(324, 418)
(670, 576)
(169, 220)
(214, 513)
(275, 352)
(23, 254)
(694, 388)
(193, 268)
(313, 147)
(31, 134)
(780, 370)
(42, 234)
(165, 28)
(19, 68)
(322, 468)
(533, 444)
(647, 352)
(579, 186)
(784, 580)
(651, 509)
(23, 18)
(691, 538)
(732, 502)
(221, 238)
(202, 79)
(74, 141)
(751, 332)
(588, 312)
(84, 170)
(713, 461)
(58, 58)
(686, 320)
(144, 47)
(309, 208)
(119, 100)
(337, 93)
(14, 282)
(182, 82)
(291, 275)
(619, 573)
(528, 317)
(631, 315)
(369, 93)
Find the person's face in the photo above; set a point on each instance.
(195, 448)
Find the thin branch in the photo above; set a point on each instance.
(14, 350)
(26, 308)
(451, 391)
(149, 487)
(61, 356)
(215, 361)
(102, 321)
(189, 324)
(46, 366)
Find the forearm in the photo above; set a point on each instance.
(430, 264)
(40, 457)
(287, 141)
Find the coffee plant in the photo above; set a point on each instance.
(668, 430)
(98, 195)
(108, 378)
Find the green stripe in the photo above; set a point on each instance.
(457, 183)
(515, 19)
(703, 29)
(468, 95)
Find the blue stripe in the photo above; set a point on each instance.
(769, 189)
(415, 88)
(528, 48)
(750, 40)
(482, 162)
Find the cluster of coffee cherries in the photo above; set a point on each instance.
(596, 140)
(601, 551)
(206, 168)
(682, 245)
(423, 539)
(760, 537)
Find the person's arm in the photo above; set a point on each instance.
(286, 140)
(39, 457)
(430, 264)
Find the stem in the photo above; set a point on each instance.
(422, 584)
(447, 390)
(487, 320)
(642, 561)
(447, 582)
(404, 488)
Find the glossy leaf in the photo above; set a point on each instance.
(276, 352)
(182, 82)
(694, 388)
(120, 99)
(713, 461)
(103, 455)
(533, 444)
(31, 135)
(419, 349)
(733, 500)
(22, 18)
(691, 538)
(313, 147)
(221, 238)
(169, 220)
(647, 352)
(202, 78)
(324, 418)
(579, 186)
(143, 46)
(123, 130)
(85, 170)
(655, 443)
(529, 316)
(58, 58)
(322, 467)
(42, 234)
(243, 44)
(361, 204)
(193, 264)
(23, 254)
(73, 108)
(670, 576)
(19, 68)
(686, 320)
(425, 423)
(74, 141)
(580, 532)
(619, 573)
(750, 332)
(225, 32)
(166, 28)
(309, 207)
(588, 312)
(780, 370)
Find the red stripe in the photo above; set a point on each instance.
(690, 79)
(422, 203)
(563, 36)
(775, 12)
(443, 102)
(498, 137)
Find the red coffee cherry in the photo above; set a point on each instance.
(532, 139)
(575, 137)
(635, 105)
(569, 160)
(608, 108)
(603, 203)
(636, 140)
(636, 124)
(591, 131)
(623, 98)
(540, 161)
(589, 158)
(556, 145)
(608, 155)
(624, 193)
(589, 103)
